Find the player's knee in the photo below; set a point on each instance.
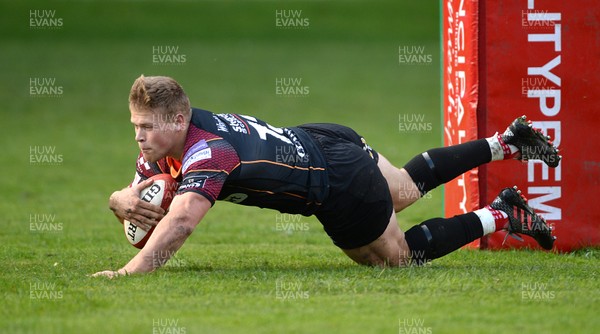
(392, 256)
(399, 253)
(399, 258)
(396, 260)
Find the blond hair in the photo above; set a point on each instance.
(159, 94)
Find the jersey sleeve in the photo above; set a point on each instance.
(206, 166)
(145, 169)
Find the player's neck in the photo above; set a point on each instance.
(176, 151)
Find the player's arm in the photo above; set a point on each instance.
(126, 204)
(201, 184)
(185, 213)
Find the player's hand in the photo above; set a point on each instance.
(110, 273)
(127, 205)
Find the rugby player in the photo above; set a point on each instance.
(326, 170)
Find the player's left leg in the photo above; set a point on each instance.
(437, 166)
(429, 240)
(390, 249)
(437, 237)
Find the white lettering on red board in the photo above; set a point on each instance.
(549, 103)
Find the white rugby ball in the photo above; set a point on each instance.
(160, 193)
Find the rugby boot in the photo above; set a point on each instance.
(522, 219)
(532, 144)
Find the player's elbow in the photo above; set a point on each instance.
(186, 212)
(183, 225)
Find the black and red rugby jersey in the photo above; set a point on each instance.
(244, 160)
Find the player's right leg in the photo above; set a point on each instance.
(437, 166)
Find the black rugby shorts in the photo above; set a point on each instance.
(359, 206)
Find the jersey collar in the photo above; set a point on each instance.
(174, 167)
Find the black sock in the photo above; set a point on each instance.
(439, 236)
(440, 165)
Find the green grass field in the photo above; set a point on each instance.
(65, 150)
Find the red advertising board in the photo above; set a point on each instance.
(459, 32)
(541, 59)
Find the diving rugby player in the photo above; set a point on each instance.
(353, 190)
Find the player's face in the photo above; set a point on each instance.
(152, 134)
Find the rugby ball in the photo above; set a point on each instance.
(160, 193)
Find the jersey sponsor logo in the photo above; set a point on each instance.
(199, 146)
(236, 198)
(198, 156)
(198, 151)
(193, 182)
(236, 124)
(221, 126)
(299, 148)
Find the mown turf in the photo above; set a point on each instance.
(241, 271)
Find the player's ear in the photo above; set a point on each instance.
(180, 122)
